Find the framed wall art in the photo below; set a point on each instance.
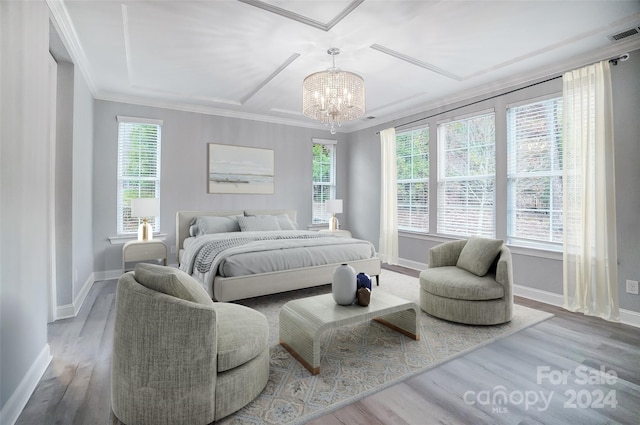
(240, 169)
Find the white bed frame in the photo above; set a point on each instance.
(236, 288)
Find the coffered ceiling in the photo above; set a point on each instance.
(247, 58)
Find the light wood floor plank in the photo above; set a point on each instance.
(75, 389)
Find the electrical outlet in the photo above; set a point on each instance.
(632, 287)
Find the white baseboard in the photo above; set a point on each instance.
(18, 400)
(538, 295)
(415, 265)
(67, 311)
(627, 317)
(108, 274)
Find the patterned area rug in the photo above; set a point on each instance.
(361, 359)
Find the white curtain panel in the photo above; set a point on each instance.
(388, 247)
(590, 256)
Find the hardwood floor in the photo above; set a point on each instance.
(76, 387)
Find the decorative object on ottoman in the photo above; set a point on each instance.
(364, 296)
(344, 284)
(469, 281)
(198, 361)
(364, 281)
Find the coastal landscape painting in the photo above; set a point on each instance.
(240, 169)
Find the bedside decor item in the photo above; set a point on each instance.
(344, 284)
(333, 96)
(145, 208)
(334, 206)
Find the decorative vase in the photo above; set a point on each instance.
(344, 284)
(364, 281)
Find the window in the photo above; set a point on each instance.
(466, 176)
(138, 168)
(412, 157)
(534, 176)
(324, 179)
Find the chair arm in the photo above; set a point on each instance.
(164, 354)
(445, 254)
(504, 271)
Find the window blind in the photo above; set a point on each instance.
(324, 176)
(466, 176)
(412, 159)
(534, 171)
(138, 169)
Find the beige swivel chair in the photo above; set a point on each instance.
(180, 358)
(469, 281)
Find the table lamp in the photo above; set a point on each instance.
(145, 207)
(334, 206)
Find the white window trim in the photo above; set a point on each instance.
(333, 184)
(427, 179)
(547, 246)
(122, 118)
(443, 179)
(124, 236)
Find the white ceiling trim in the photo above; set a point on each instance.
(273, 75)
(69, 37)
(553, 46)
(614, 50)
(301, 18)
(187, 107)
(414, 61)
(286, 111)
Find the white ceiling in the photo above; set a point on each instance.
(247, 58)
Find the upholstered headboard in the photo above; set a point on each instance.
(184, 218)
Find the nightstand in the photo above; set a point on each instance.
(143, 251)
(339, 232)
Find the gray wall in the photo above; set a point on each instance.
(64, 186)
(24, 253)
(82, 180)
(626, 102)
(542, 270)
(185, 136)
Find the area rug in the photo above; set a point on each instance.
(360, 360)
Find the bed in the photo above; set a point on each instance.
(262, 258)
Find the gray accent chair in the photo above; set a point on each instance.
(180, 358)
(482, 296)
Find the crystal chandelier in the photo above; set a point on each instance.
(333, 96)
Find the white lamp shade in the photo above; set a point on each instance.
(334, 206)
(145, 207)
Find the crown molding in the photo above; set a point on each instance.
(62, 21)
(605, 53)
(207, 110)
(304, 19)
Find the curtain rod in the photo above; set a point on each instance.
(613, 61)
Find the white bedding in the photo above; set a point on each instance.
(267, 251)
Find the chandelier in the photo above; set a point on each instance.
(333, 96)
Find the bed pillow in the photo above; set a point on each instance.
(478, 255)
(171, 281)
(258, 223)
(285, 222)
(204, 225)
